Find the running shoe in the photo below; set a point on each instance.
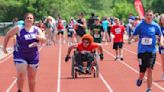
(148, 90)
(80, 69)
(116, 58)
(19, 90)
(121, 59)
(139, 82)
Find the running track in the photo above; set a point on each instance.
(54, 75)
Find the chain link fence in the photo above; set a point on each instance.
(4, 27)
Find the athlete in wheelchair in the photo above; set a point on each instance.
(85, 51)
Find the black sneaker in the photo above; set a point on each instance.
(148, 90)
(19, 90)
(139, 82)
(121, 59)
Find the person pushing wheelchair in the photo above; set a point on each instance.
(85, 52)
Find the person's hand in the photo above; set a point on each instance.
(5, 50)
(101, 56)
(34, 44)
(67, 58)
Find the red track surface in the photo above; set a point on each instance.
(54, 75)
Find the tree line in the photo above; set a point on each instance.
(67, 8)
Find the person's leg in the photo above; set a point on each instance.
(149, 78)
(21, 74)
(90, 58)
(79, 61)
(32, 71)
(150, 64)
(121, 50)
(162, 60)
(142, 68)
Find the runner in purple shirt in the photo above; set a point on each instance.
(26, 55)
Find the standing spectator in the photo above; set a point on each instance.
(118, 31)
(91, 21)
(161, 48)
(26, 54)
(96, 30)
(146, 31)
(105, 24)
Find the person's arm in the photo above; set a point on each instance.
(161, 41)
(69, 51)
(84, 23)
(101, 51)
(41, 37)
(9, 34)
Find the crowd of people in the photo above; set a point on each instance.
(51, 31)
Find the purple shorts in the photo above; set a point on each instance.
(27, 58)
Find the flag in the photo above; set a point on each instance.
(139, 8)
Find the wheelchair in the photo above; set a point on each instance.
(94, 70)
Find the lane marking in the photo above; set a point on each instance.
(6, 58)
(12, 84)
(105, 82)
(59, 68)
(160, 87)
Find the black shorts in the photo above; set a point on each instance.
(60, 32)
(146, 60)
(117, 45)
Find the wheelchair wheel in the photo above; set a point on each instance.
(96, 69)
(73, 70)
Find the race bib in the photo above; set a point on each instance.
(96, 35)
(30, 36)
(146, 41)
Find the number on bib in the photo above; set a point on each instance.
(146, 41)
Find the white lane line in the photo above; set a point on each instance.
(59, 68)
(136, 54)
(6, 58)
(12, 84)
(160, 87)
(105, 82)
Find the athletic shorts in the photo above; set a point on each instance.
(60, 32)
(70, 34)
(31, 59)
(97, 40)
(161, 50)
(146, 60)
(117, 45)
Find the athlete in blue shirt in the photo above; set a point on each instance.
(146, 32)
(161, 48)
